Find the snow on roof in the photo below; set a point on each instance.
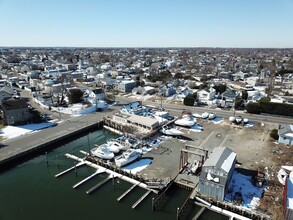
(228, 162)
(289, 135)
(150, 122)
(220, 158)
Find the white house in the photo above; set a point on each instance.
(206, 95)
(285, 133)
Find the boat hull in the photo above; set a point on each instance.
(121, 161)
(103, 154)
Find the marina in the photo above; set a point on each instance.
(158, 176)
(46, 192)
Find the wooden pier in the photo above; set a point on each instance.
(112, 173)
(140, 200)
(125, 193)
(156, 202)
(88, 178)
(69, 169)
(94, 188)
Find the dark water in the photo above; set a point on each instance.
(30, 191)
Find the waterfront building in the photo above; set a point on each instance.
(216, 173)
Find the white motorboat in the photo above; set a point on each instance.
(205, 115)
(231, 118)
(212, 116)
(102, 152)
(171, 131)
(186, 120)
(245, 120)
(115, 143)
(112, 148)
(126, 157)
(238, 119)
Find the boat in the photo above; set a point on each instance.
(238, 119)
(212, 116)
(111, 148)
(245, 120)
(116, 143)
(126, 157)
(170, 131)
(231, 118)
(205, 115)
(186, 120)
(102, 152)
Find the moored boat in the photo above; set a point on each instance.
(112, 148)
(115, 143)
(126, 157)
(102, 152)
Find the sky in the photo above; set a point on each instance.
(147, 23)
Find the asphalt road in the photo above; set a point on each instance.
(175, 109)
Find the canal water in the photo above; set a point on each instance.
(30, 191)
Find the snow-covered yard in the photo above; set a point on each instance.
(9, 132)
(74, 110)
(251, 194)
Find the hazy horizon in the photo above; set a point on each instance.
(147, 24)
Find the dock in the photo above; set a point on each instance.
(126, 192)
(141, 198)
(88, 178)
(112, 173)
(69, 169)
(94, 188)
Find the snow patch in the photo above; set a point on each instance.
(241, 183)
(135, 167)
(15, 131)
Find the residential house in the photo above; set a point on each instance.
(15, 111)
(94, 95)
(216, 173)
(225, 75)
(285, 133)
(229, 96)
(206, 95)
(167, 90)
(6, 92)
(125, 86)
(254, 96)
(146, 90)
